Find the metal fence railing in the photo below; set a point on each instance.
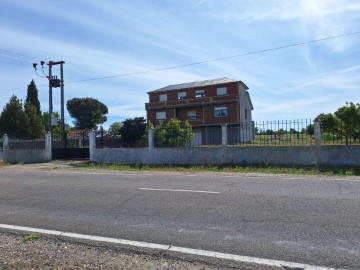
(265, 133)
(269, 133)
(334, 138)
(73, 139)
(104, 139)
(26, 144)
(334, 132)
(283, 133)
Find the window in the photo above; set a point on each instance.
(191, 115)
(163, 97)
(199, 93)
(160, 116)
(245, 113)
(181, 95)
(220, 111)
(221, 91)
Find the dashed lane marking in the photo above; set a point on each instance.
(180, 190)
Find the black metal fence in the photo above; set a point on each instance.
(26, 144)
(284, 133)
(336, 138)
(104, 139)
(73, 139)
(334, 132)
(266, 133)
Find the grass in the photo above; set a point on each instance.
(267, 169)
(30, 237)
(328, 171)
(287, 139)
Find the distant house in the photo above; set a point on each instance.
(206, 105)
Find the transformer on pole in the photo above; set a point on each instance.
(54, 82)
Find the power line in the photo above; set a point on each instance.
(15, 57)
(14, 60)
(15, 54)
(218, 59)
(205, 61)
(17, 88)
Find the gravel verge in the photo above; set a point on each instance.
(55, 253)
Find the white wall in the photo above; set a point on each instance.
(245, 104)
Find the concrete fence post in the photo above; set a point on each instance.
(317, 138)
(92, 144)
(48, 146)
(224, 138)
(80, 142)
(151, 137)
(5, 146)
(317, 133)
(5, 141)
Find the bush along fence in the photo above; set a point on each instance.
(296, 148)
(27, 151)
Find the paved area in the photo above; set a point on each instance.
(302, 219)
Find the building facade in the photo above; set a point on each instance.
(205, 104)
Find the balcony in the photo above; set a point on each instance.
(193, 102)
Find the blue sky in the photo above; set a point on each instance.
(110, 38)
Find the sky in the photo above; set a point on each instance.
(117, 51)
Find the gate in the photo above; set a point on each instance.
(74, 146)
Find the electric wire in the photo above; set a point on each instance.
(14, 60)
(202, 62)
(219, 59)
(15, 57)
(15, 54)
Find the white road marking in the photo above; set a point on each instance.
(191, 251)
(320, 179)
(347, 180)
(180, 190)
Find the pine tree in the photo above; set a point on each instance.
(88, 112)
(13, 120)
(34, 126)
(32, 97)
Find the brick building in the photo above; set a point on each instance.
(205, 104)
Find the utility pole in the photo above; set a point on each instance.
(54, 82)
(50, 97)
(63, 138)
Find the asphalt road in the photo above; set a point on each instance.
(312, 220)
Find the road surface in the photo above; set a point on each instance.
(311, 220)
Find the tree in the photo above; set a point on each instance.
(327, 122)
(13, 120)
(35, 128)
(132, 130)
(173, 134)
(32, 97)
(88, 112)
(310, 129)
(348, 120)
(46, 118)
(114, 128)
